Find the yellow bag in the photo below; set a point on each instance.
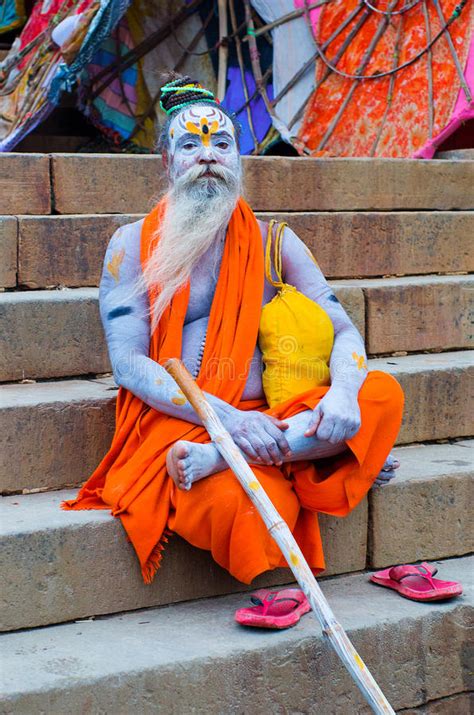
(295, 335)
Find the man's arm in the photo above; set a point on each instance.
(126, 324)
(338, 414)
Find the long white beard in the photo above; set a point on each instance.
(198, 208)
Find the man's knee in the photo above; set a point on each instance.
(383, 387)
(219, 491)
(224, 495)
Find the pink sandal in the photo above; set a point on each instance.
(274, 609)
(418, 582)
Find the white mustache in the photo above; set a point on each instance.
(199, 170)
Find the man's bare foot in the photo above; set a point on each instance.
(388, 471)
(187, 462)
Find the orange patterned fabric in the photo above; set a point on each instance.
(373, 123)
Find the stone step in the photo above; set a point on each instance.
(51, 333)
(456, 154)
(25, 184)
(55, 559)
(417, 313)
(436, 387)
(79, 415)
(58, 333)
(102, 183)
(403, 314)
(193, 658)
(61, 565)
(54, 433)
(8, 251)
(69, 250)
(424, 513)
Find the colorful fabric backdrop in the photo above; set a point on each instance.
(397, 116)
(118, 52)
(36, 71)
(12, 15)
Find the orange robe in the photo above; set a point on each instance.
(132, 481)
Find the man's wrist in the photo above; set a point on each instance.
(346, 388)
(223, 410)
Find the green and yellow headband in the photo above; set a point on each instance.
(182, 93)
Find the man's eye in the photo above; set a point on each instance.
(188, 146)
(223, 145)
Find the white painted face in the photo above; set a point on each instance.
(200, 134)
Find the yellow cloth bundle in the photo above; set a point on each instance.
(295, 336)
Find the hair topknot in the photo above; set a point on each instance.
(172, 101)
(179, 92)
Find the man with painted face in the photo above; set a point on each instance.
(188, 281)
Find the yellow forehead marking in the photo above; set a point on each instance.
(360, 361)
(114, 264)
(204, 129)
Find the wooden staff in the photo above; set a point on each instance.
(283, 537)
(223, 50)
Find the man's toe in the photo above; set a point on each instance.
(181, 450)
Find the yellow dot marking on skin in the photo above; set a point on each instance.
(114, 264)
(294, 558)
(359, 661)
(180, 399)
(360, 360)
(205, 130)
(254, 485)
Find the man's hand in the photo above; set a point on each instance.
(336, 417)
(260, 436)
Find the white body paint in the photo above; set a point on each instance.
(201, 133)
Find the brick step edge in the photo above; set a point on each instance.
(426, 313)
(82, 413)
(62, 565)
(69, 250)
(99, 183)
(194, 658)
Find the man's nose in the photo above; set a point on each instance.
(207, 156)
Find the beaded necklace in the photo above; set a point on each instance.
(199, 357)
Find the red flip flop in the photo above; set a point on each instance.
(418, 582)
(274, 609)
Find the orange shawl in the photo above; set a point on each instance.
(131, 479)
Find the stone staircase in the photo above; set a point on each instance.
(393, 237)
